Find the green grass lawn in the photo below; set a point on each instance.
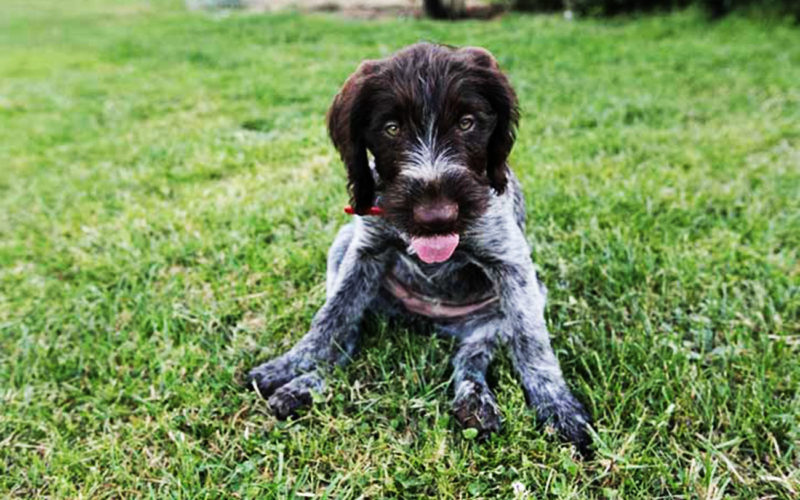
(168, 195)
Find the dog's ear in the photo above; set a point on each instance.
(347, 118)
(495, 88)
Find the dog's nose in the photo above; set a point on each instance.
(437, 212)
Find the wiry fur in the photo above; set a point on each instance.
(432, 162)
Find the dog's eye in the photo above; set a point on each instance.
(391, 129)
(466, 123)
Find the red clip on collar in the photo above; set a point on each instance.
(372, 210)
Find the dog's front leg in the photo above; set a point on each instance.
(474, 405)
(533, 358)
(289, 379)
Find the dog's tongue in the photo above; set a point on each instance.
(437, 248)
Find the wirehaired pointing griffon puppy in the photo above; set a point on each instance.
(448, 243)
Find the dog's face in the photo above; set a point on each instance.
(439, 123)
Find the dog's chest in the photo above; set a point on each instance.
(449, 290)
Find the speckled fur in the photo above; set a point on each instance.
(358, 260)
(492, 258)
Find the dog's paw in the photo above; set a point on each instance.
(270, 376)
(569, 418)
(575, 429)
(475, 407)
(290, 398)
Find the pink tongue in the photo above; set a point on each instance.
(435, 248)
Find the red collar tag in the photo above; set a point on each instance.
(373, 210)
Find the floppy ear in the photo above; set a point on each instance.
(495, 88)
(347, 118)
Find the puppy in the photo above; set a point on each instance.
(449, 244)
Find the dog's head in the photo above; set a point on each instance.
(440, 125)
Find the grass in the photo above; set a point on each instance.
(168, 195)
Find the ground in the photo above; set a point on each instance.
(168, 194)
